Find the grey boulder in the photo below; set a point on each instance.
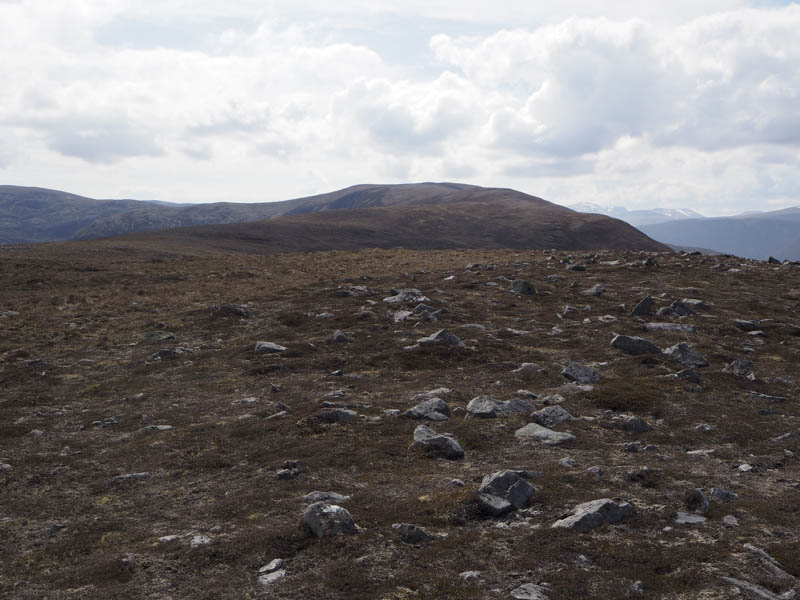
(581, 373)
(596, 513)
(443, 337)
(551, 416)
(537, 433)
(269, 347)
(328, 519)
(504, 491)
(686, 356)
(445, 446)
(434, 409)
(634, 345)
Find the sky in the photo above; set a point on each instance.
(629, 103)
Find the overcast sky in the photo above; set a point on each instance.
(633, 103)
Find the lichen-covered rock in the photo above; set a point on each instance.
(269, 347)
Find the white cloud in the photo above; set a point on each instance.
(678, 103)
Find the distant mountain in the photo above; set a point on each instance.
(753, 235)
(638, 217)
(470, 218)
(30, 214)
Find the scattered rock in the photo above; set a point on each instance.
(683, 518)
(504, 491)
(443, 337)
(535, 432)
(635, 425)
(483, 407)
(675, 327)
(339, 337)
(746, 325)
(634, 345)
(434, 409)
(442, 445)
(529, 371)
(722, 495)
(686, 356)
(437, 393)
(551, 416)
(406, 296)
(269, 347)
(129, 478)
(696, 501)
(268, 579)
(595, 290)
(328, 519)
(741, 367)
(522, 287)
(581, 373)
(412, 534)
(327, 497)
(530, 591)
(469, 575)
(643, 308)
(590, 515)
(199, 540)
(730, 521)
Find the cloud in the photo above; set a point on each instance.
(103, 145)
(679, 103)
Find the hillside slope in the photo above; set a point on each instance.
(508, 223)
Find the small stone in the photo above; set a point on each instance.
(696, 501)
(199, 540)
(328, 519)
(434, 409)
(441, 445)
(339, 337)
(470, 575)
(746, 325)
(270, 578)
(443, 337)
(535, 432)
(269, 347)
(529, 371)
(673, 327)
(287, 474)
(273, 565)
(551, 416)
(590, 515)
(406, 296)
(129, 477)
(568, 462)
(742, 368)
(328, 497)
(634, 345)
(684, 518)
(508, 486)
(643, 308)
(595, 290)
(581, 373)
(722, 495)
(686, 356)
(744, 468)
(412, 534)
(730, 521)
(529, 591)
(635, 425)
(483, 407)
(457, 482)
(522, 287)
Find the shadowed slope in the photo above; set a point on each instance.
(510, 223)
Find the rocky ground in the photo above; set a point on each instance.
(397, 425)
